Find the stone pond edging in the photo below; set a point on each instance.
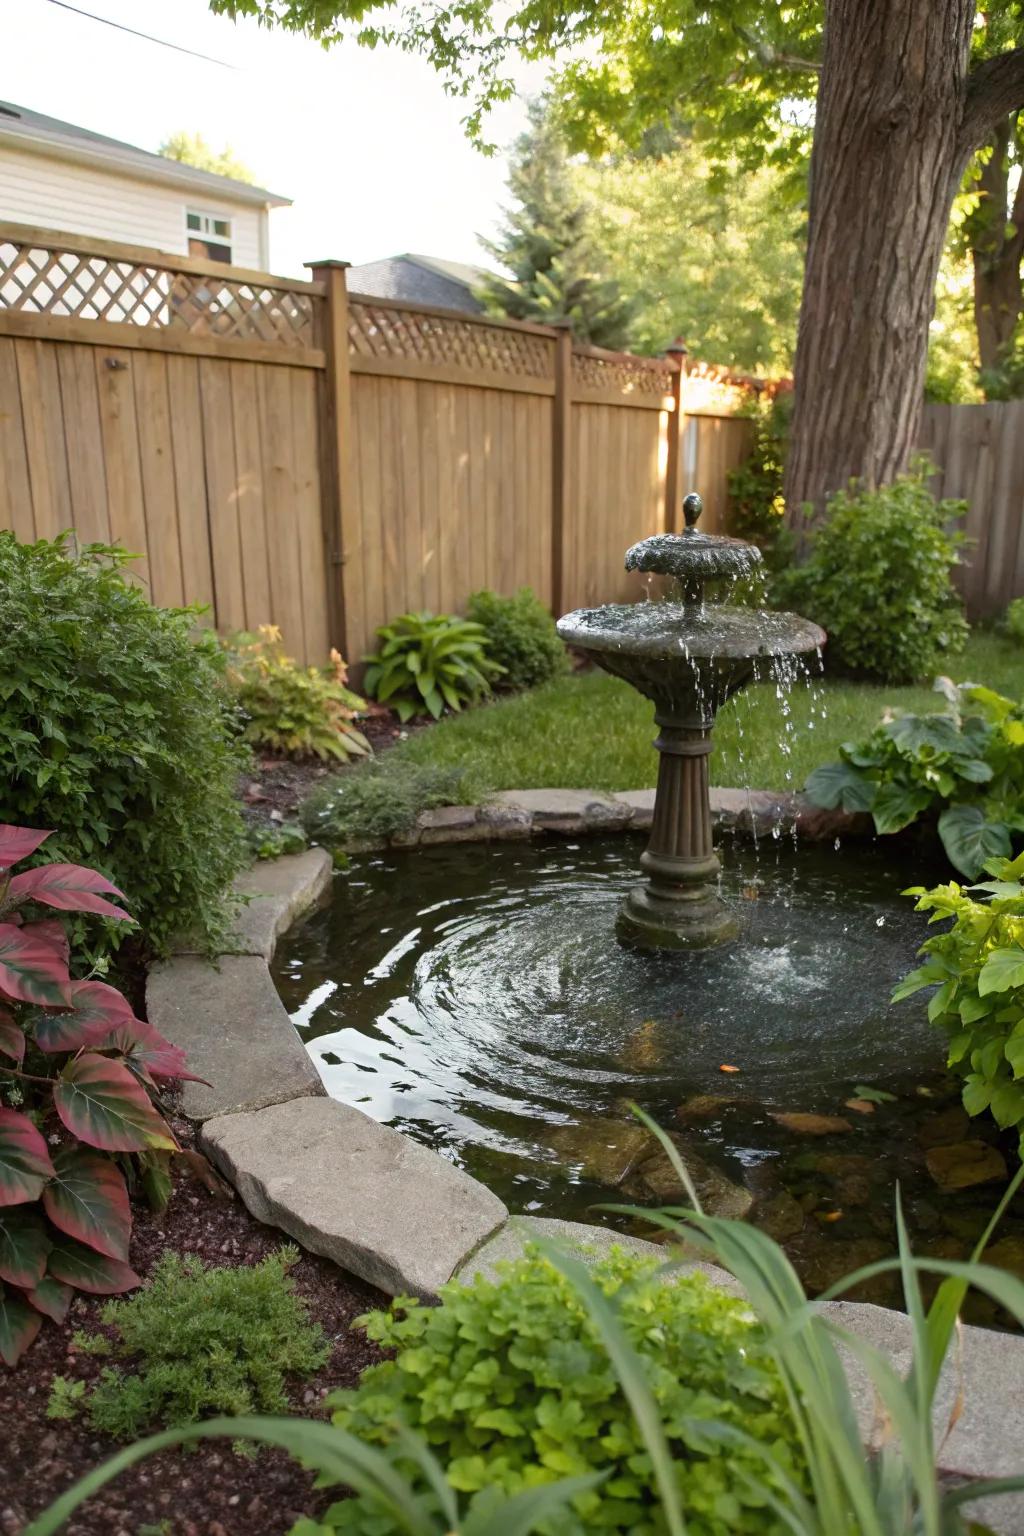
(405, 1219)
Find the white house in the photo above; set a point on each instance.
(54, 175)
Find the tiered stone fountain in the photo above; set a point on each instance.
(688, 656)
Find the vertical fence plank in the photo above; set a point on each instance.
(159, 491)
(222, 492)
(87, 475)
(254, 539)
(305, 525)
(184, 400)
(288, 607)
(43, 422)
(335, 434)
(15, 484)
(115, 389)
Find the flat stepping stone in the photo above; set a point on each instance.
(375, 1202)
(280, 891)
(231, 1023)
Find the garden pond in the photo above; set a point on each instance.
(474, 997)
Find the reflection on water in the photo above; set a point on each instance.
(476, 998)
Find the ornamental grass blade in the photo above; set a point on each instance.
(518, 1514)
(25, 1163)
(88, 1199)
(330, 1451)
(104, 1105)
(630, 1373)
(19, 1325)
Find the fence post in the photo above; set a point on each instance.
(561, 462)
(676, 427)
(336, 481)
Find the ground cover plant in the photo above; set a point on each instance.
(113, 731)
(377, 800)
(878, 578)
(196, 1342)
(892, 1488)
(976, 966)
(429, 661)
(1013, 620)
(965, 763)
(521, 637)
(78, 1073)
(592, 731)
(298, 711)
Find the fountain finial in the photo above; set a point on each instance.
(693, 506)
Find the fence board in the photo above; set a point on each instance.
(87, 473)
(183, 398)
(277, 463)
(156, 475)
(126, 510)
(42, 422)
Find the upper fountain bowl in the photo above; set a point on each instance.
(693, 557)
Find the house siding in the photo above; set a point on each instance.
(84, 200)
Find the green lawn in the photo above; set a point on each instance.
(590, 731)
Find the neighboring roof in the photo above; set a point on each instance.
(36, 130)
(419, 280)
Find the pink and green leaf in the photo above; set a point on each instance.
(12, 1038)
(97, 1008)
(25, 1165)
(51, 931)
(88, 1270)
(103, 1104)
(31, 970)
(70, 888)
(24, 1248)
(16, 843)
(87, 1199)
(51, 1297)
(147, 1053)
(19, 1325)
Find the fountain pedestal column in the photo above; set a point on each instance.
(678, 908)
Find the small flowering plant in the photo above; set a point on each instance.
(77, 1071)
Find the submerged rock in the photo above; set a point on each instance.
(603, 1149)
(655, 1179)
(964, 1164)
(782, 1216)
(811, 1125)
(945, 1127)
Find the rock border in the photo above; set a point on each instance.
(407, 1220)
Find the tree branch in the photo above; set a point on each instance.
(995, 88)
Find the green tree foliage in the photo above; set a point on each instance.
(193, 149)
(546, 242)
(711, 254)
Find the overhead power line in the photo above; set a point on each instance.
(146, 36)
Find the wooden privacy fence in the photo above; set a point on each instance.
(979, 453)
(286, 452)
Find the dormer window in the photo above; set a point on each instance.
(209, 235)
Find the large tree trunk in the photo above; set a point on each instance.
(889, 151)
(996, 233)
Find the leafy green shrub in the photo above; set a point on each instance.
(967, 763)
(269, 840)
(877, 579)
(977, 967)
(520, 636)
(1013, 619)
(203, 1341)
(511, 1388)
(427, 661)
(375, 801)
(75, 1106)
(299, 711)
(113, 731)
(756, 509)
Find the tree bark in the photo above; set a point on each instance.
(996, 233)
(894, 114)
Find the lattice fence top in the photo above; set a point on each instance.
(377, 330)
(41, 281)
(618, 372)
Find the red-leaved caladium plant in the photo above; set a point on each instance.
(77, 1070)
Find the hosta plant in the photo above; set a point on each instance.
(976, 966)
(427, 661)
(298, 711)
(77, 1070)
(966, 764)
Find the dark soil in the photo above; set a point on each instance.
(209, 1491)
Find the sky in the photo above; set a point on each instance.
(366, 144)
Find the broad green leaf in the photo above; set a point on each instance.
(969, 839)
(840, 786)
(88, 1199)
(976, 1095)
(895, 806)
(1003, 970)
(1007, 1104)
(103, 1104)
(25, 1163)
(51, 1297)
(873, 1095)
(19, 1325)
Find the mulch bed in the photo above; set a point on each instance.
(204, 1492)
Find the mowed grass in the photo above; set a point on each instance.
(591, 731)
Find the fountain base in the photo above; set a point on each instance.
(676, 909)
